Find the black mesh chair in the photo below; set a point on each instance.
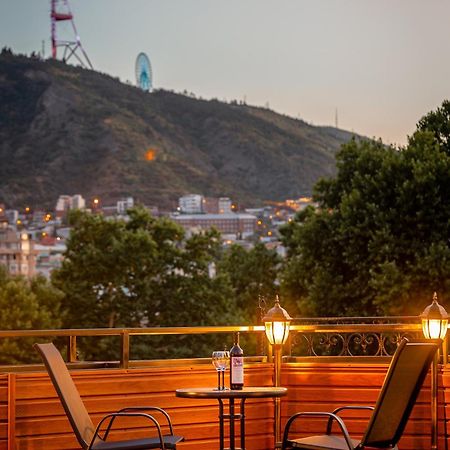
(95, 438)
(403, 381)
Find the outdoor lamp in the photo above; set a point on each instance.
(434, 326)
(277, 321)
(434, 320)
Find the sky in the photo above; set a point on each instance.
(381, 64)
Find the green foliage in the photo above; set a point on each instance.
(252, 273)
(142, 272)
(378, 241)
(26, 305)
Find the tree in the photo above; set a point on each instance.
(141, 272)
(378, 241)
(26, 305)
(252, 273)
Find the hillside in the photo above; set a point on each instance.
(66, 130)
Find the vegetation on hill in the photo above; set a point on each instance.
(66, 130)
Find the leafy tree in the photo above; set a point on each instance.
(438, 123)
(252, 273)
(378, 241)
(26, 305)
(142, 272)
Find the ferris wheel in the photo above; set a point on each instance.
(144, 76)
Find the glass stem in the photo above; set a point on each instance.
(218, 380)
(223, 379)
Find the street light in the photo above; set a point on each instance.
(434, 326)
(277, 322)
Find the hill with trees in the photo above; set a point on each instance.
(67, 130)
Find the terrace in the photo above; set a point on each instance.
(326, 363)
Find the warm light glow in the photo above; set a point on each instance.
(27, 209)
(277, 332)
(18, 222)
(269, 233)
(150, 154)
(96, 200)
(259, 222)
(44, 234)
(434, 328)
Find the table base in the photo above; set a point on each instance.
(232, 417)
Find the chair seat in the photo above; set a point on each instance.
(326, 441)
(170, 441)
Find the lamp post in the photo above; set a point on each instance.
(434, 326)
(277, 322)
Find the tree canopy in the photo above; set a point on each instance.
(26, 304)
(377, 242)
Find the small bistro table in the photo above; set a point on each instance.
(231, 395)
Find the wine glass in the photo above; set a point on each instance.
(220, 360)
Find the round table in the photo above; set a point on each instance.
(231, 395)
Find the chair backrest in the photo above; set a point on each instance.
(402, 384)
(68, 393)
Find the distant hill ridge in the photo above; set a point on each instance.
(66, 130)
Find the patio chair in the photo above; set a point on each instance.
(93, 438)
(403, 381)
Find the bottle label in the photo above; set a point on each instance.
(237, 370)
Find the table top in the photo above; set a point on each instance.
(246, 392)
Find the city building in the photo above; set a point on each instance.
(191, 204)
(217, 205)
(230, 225)
(17, 251)
(124, 205)
(49, 255)
(66, 202)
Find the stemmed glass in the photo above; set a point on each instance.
(221, 361)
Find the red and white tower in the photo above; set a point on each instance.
(60, 13)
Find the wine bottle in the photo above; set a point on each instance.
(236, 365)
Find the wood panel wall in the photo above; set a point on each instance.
(40, 421)
(324, 387)
(31, 417)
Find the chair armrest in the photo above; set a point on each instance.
(150, 408)
(330, 416)
(111, 417)
(344, 408)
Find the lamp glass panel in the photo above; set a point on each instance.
(434, 328)
(277, 332)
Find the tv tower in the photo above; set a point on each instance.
(60, 12)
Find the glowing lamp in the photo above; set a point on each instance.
(434, 320)
(277, 322)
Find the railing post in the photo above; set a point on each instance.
(72, 349)
(125, 353)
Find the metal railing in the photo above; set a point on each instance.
(313, 337)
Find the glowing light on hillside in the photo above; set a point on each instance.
(150, 154)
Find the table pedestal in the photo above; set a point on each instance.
(232, 417)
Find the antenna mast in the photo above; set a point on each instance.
(60, 12)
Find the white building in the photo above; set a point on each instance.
(124, 205)
(66, 202)
(191, 204)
